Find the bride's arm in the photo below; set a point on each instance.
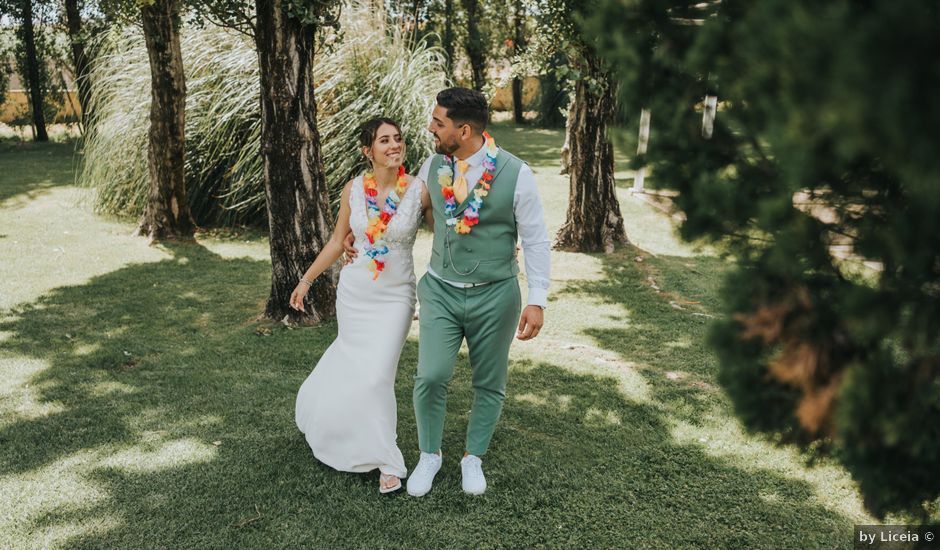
(331, 252)
(333, 248)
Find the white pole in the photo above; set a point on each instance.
(708, 116)
(641, 149)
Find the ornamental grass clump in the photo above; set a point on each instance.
(369, 70)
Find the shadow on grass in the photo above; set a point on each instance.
(670, 301)
(152, 365)
(30, 168)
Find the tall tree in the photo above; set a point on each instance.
(819, 173)
(593, 222)
(299, 215)
(34, 81)
(80, 59)
(518, 46)
(4, 74)
(415, 20)
(167, 215)
(297, 197)
(448, 39)
(474, 45)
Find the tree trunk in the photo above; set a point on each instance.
(518, 114)
(32, 69)
(594, 222)
(414, 21)
(449, 36)
(566, 147)
(167, 215)
(299, 215)
(518, 46)
(474, 46)
(79, 57)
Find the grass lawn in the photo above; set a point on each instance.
(142, 406)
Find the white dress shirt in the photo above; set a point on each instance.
(530, 223)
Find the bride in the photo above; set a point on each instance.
(346, 408)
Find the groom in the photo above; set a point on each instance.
(483, 200)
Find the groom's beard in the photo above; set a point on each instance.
(446, 148)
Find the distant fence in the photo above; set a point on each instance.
(16, 108)
(502, 99)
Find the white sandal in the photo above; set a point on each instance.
(385, 477)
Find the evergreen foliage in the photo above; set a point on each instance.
(822, 178)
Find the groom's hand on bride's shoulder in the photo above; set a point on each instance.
(349, 249)
(530, 323)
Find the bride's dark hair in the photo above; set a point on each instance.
(370, 128)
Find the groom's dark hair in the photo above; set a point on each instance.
(465, 106)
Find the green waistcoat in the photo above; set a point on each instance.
(488, 252)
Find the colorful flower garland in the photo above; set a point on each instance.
(377, 248)
(445, 176)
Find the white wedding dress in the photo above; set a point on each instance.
(346, 408)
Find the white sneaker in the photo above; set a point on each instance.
(420, 480)
(472, 469)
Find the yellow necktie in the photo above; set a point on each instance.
(460, 186)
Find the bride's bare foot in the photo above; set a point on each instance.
(388, 483)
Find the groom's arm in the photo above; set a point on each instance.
(536, 247)
(425, 196)
(426, 211)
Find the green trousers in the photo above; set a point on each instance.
(487, 316)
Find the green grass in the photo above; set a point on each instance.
(141, 406)
(27, 168)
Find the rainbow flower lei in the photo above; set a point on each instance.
(377, 248)
(445, 177)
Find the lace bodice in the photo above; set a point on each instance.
(403, 226)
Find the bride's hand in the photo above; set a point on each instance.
(298, 295)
